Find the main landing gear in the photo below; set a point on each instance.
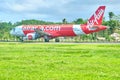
(57, 40)
(46, 39)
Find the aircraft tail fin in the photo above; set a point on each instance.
(96, 18)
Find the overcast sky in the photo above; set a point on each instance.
(53, 10)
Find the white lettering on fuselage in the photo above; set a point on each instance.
(95, 19)
(43, 28)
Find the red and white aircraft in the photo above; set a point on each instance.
(32, 32)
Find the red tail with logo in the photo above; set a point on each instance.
(95, 21)
(96, 18)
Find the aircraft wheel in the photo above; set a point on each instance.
(57, 40)
(21, 40)
(46, 40)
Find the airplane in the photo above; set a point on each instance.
(33, 32)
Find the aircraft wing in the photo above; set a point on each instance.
(42, 33)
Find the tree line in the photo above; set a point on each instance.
(113, 23)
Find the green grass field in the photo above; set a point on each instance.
(23, 61)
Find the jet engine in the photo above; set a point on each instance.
(31, 36)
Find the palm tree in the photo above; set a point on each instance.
(111, 14)
(111, 24)
(64, 21)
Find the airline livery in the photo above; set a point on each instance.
(32, 32)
